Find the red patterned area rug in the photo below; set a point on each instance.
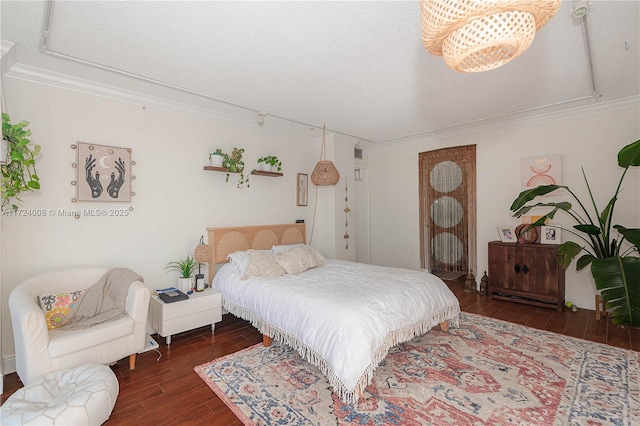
(487, 372)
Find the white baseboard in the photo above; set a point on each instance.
(9, 364)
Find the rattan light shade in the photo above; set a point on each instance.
(480, 35)
(325, 172)
(201, 253)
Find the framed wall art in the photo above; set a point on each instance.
(103, 173)
(542, 170)
(302, 190)
(549, 235)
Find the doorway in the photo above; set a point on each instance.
(447, 193)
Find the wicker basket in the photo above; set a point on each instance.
(477, 35)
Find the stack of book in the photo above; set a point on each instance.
(170, 295)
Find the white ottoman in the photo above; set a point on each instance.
(83, 395)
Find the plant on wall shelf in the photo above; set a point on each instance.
(233, 164)
(272, 161)
(216, 157)
(613, 255)
(19, 173)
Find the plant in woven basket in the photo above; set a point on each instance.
(613, 255)
(233, 164)
(19, 173)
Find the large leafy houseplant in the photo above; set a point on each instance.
(612, 253)
(19, 173)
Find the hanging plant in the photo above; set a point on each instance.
(19, 173)
(233, 164)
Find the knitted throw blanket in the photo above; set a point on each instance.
(103, 301)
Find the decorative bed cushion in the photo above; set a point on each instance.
(263, 263)
(241, 260)
(296, 260)
(57, 306)
(318, 258)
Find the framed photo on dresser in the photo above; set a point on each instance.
(549, 235)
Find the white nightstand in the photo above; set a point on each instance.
(200, 309)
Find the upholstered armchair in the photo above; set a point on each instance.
(40, 350)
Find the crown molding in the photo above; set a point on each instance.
(543, 114)
(62, 81)
(7, 55)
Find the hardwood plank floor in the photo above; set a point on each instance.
(164, 389)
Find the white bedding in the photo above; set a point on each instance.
(342, 317)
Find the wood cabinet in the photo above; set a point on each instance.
(526, 273)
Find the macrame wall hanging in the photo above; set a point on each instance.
(325, 173)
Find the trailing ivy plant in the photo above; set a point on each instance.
(19, 173)
(611, 250)
(233, 164)
(273, 161)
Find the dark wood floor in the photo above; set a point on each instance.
(168, 391)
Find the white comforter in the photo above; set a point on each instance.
(343, 316)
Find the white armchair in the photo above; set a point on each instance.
(40, 350)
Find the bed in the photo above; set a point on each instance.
(342, 316)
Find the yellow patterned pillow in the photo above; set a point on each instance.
(57, 306)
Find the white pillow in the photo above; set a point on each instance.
(263, 264)
(296, 260)
(241, 260)
(319, 259)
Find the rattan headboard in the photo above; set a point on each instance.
(224, 241)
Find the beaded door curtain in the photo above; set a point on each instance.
(448, 215)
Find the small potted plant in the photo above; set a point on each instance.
(233, 164)
(19, 167)
(185, 268)
(216, 158)
(270, 163)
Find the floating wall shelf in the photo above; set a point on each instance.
(253, 172)
(263, 173)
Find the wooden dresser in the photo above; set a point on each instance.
(526, 273)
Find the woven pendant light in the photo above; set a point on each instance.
(480, 35)
(201, 252)
(325, 173)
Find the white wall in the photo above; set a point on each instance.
(591, 141)
(175, 198)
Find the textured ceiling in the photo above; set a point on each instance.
(357, 66)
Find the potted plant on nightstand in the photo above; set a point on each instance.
(19, 167)
(270, 163)
(185, 268)
(233, 164)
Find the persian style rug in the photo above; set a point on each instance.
(485, 372)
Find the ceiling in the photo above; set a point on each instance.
(359, 66)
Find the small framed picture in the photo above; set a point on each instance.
(507, 234)
(302, 197)
(549, 235)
